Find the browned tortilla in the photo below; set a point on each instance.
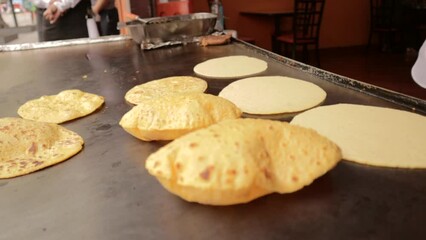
(27, 146)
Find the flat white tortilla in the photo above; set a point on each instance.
(371, 135)
(273, 94)
(229, 67)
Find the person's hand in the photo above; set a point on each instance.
(52, 13)
(99, 5)
(95, 9)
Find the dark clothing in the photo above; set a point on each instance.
(108, 23)
(69, 26)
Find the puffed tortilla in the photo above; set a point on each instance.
(165, 86)
(236, 161)
(62, 107)
(371, 135)
(169, 117)
(27, 146)
(229, 67)
(273, 95)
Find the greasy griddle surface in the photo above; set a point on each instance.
(104, 192)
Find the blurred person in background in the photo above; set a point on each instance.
(2, 23)
(108, 15)
(2, 10)
(61, 19)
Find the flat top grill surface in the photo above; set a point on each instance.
(104, 192)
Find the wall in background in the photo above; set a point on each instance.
(345, 23)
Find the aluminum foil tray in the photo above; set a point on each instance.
(162, 31)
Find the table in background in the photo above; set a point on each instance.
(277, 15)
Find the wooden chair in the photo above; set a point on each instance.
(382, 22)
(305, 30)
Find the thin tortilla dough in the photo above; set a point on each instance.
(273, 95)
(230, 67)
(371, 135)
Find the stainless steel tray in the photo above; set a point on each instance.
(160, 31)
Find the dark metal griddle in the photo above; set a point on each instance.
(104, 192)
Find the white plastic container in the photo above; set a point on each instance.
(418, 72)
(92, 29)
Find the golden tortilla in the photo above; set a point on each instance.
(172, 116)
(236, 161)
(65, 106)
(165, 86)
(27, 146)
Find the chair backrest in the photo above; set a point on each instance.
(382, 13)
(307, 19)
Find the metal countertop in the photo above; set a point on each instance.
(104, 192)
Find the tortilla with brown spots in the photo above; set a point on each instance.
(236, 161)
(164, 87)
(169, 117)
(27, 146)
(64, 106)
